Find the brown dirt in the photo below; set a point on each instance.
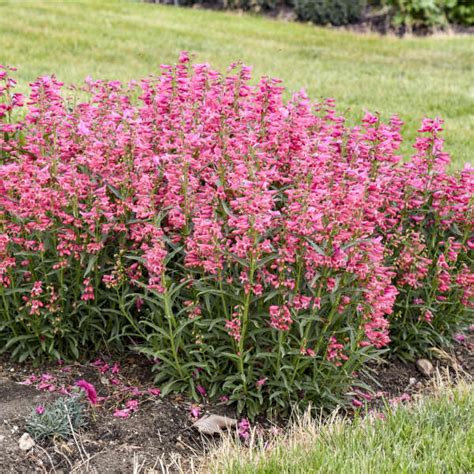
(159, 436)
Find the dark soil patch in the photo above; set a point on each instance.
(159, 436)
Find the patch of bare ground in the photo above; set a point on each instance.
(159, 436)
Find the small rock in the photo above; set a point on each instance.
(26, 442)
(412, 381)
(424, 366)
(213, 424)
(2, 438)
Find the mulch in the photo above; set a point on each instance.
(159, 436)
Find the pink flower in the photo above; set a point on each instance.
(404, 397)
(116, 368)
(89, 389)
(132, 405)
(154, 391)
(280, 318)
(233, 328)
(29, 380)
(39, 409)
(428, 316)
(195, 411)
(243, 428)
(125, 413)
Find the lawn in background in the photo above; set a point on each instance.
(125, 40)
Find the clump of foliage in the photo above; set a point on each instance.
(409, 15)
(58, 419)
(430, 14)
(413, 14)
(460, 11)
(257, 250)
(334, 12)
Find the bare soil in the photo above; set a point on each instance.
(159, 436)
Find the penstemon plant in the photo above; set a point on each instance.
(258, 251)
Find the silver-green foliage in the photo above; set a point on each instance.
(59, 418)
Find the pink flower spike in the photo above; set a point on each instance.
(40, 409)
(201, 390)
(357, 403)
(90, 390)
(154, 391)
(195, 411)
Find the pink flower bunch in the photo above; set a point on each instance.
(89, 390)
(243, 428)
(225, 232)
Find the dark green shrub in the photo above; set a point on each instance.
(252, 5)
(461, 11)
(413, 14)
(416, 14)
(337, 12)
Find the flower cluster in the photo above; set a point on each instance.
(230, 235)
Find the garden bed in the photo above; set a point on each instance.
(260, 256)
(159, 434)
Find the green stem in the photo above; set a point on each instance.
(171, 326)
(245, 318)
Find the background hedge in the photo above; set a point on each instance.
(406, 14)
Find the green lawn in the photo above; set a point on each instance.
(436, 435)
(124, 40)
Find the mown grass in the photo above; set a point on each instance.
(435, 435)
(124, 40)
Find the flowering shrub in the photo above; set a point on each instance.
(255, 249)
(431, 249)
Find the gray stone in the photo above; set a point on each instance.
(213, 424)
(26, 442)
(425, 367)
